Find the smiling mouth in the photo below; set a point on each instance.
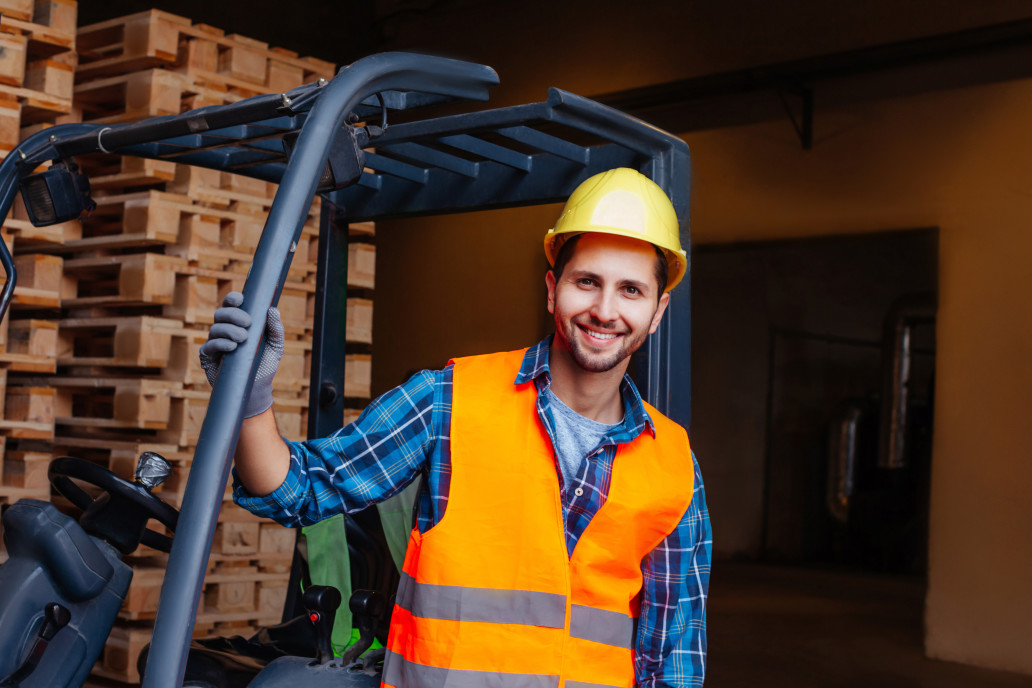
(605, 336)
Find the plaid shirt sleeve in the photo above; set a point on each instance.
(672, 624)
(362, 463)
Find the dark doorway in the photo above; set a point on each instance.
(794, 348)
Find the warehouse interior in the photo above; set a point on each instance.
(856, 169)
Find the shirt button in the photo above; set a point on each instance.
(579, 492)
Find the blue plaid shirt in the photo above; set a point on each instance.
(405, 433)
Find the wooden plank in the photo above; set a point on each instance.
(272, 595)
(361, 265)
(58, 15)
(53, 77)
(276, 539)
(30, 346)
(292, 417)
(244, 59)
(231, 596)
(27, 470)
(359, 327)
(186, 416)
(351, 415)
(36, 105)
(122, 651)
(358, 370)
(13, 48)
(19, 9)
(10, 123)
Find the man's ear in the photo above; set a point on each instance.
(664, 301)
(550, 283)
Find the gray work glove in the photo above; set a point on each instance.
(229, 330)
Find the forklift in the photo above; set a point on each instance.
(65, 580)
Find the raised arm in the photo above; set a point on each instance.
(262, 458)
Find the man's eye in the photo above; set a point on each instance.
(586, 281)
(633, 291)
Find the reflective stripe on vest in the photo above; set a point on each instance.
(602, 626)
(456, 603)
(400, 672)
(490, 597)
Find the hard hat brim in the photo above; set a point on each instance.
(677, 259)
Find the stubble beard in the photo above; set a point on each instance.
(598, 363)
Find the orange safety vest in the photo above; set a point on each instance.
(489, 596)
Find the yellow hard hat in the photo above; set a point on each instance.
(627, 203)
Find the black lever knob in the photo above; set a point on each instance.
(321, 602)
(55, 618)
(368, 607)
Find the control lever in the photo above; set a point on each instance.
(321, 602)
(367, 606)
(55, 617)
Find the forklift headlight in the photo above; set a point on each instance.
(59, 194)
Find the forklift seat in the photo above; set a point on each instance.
(53, 560)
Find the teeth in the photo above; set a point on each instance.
(600, 335)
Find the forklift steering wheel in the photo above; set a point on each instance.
(139, 501)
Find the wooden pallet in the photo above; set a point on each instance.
(133, 341)
(96, 404)
(127, 280)
(138, 95)
(125, 172)
(221, 189)
(36, 106)
(133, 220)
(154, 38)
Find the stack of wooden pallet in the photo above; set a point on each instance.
(37, 59)
(110, 313)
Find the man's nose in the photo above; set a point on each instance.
(604, 306)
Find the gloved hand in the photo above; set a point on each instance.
(229, 330)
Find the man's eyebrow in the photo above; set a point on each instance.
(579, 274)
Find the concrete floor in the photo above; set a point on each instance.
(771, 626)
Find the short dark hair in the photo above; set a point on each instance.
(662, 270)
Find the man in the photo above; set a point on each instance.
(562, 534)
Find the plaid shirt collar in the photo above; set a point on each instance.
(636, 418)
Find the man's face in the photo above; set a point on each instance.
(605, 302)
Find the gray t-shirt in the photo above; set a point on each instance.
(575, 436)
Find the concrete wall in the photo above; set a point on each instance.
(957, 160)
